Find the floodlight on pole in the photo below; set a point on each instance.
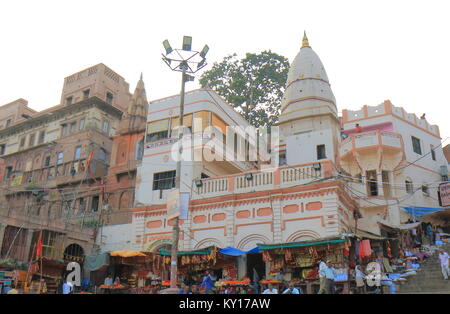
(204, 51)
(184, 61)
(187, 43)
(167, 47)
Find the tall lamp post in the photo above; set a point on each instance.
(186, 61)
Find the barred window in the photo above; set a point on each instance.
(164, 180)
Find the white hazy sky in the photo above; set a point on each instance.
(372, 50)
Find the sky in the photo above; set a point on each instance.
(372, 50)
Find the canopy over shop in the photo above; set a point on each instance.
(193, 264)
(134, 271)
(298, 262)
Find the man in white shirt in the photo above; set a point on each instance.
(443, 256)
(270, 290)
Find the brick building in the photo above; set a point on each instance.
(53, 164)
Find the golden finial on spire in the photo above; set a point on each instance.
(305, 40)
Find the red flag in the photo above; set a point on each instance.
(88, 162)
(39, 245)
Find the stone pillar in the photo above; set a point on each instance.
(242, 266)
(29, 245)
(380, 183)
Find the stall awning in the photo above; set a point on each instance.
(264, 247)
(400, 227)
(127, 253)
(368, 235)
(236, 252)
(417, 211)
(440, 218)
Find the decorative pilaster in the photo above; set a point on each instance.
(277, 226)
(230, 220)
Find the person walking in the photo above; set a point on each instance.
(208, 283)
(443, 256)
(322, 266)
(329, 278)
(430, 234)
(359, 277)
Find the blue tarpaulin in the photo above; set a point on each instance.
(421, 211)
(236, 252)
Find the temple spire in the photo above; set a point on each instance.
(136, 115)
(305, 42)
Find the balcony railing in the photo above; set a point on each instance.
(262, 180)
(369, 140)
(57, 174)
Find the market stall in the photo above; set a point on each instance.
(193, 264)
(45, 275)
(133, 272)
(297, 262)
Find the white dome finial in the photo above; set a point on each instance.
(305, 40)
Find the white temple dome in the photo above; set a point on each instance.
(307, 85)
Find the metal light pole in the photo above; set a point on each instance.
(185, 61)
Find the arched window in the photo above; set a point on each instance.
(409, 186)
(74, 252)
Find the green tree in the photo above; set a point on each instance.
(254, 85)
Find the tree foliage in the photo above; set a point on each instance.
(254, 85)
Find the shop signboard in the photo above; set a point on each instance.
(444, 194)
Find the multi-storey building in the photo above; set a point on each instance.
(53, 166)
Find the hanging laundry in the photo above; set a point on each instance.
(346, 250)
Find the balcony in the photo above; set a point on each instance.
(371, 150)
(255, 181)
(36, 215)
(53, 176)
(371, 141)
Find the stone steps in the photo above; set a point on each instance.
(429, 278)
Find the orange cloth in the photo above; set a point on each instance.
(364, 249)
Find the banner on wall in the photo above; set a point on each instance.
(444, 194)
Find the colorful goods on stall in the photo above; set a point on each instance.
(113, 287)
